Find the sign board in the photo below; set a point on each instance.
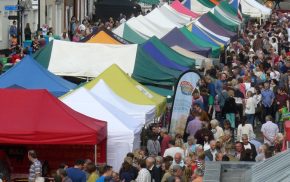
(12, 17)
(182, 102)
(11, 7)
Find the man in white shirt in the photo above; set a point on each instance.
(178, 160)
(250, 109)
(269, 130)
(172, 150)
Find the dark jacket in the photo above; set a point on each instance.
(199, 135)
(230, 106)
(209, 155)
(156, 174)
(252, 155)
(128, 175)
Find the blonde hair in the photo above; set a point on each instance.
(279, 137)
(231, 93)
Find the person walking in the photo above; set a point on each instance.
(27, 32)
(230, 108)
(13, 29)
(250, 108)
(35, 169)
(268, 97)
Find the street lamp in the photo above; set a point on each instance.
(38, 24)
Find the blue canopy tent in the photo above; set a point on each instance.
(208, 37)
(30, 75)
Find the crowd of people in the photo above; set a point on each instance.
(237, 113)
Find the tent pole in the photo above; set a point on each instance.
(95, 155)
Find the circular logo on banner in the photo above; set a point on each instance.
(186, 88)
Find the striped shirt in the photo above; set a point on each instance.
(35, 169)
(143, 176)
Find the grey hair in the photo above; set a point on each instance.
(199, 146)
(245, 136)
(151, 159)
(268, 118)
(164, 130)
(159, 158)
(214, 122)
(175, 168)
(191, 138)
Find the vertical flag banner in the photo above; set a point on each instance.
(237, 5)
(182, 102)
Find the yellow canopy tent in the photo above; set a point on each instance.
(129, 89)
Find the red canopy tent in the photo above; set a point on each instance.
(179, 7)
(37, 119)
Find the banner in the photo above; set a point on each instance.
(182, 102)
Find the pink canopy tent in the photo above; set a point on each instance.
(178, 6)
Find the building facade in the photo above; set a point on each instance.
(54, 13)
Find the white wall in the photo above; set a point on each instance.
(29, 16)
(5, 23)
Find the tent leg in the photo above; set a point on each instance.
(95, 156)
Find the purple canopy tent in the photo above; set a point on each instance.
(176, 38)
(207, 22)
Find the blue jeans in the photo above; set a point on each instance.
(250, 118)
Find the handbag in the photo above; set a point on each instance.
(217, 106)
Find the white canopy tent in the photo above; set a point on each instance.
(174, 15)
(139, 27)
(157, 32)
(254, 9)
(89, 60)
(119, 30)
(198, 7)
(163, 23)
(248, 9)
(225, 15)
(120, 137)
(142, 114)
(200, 61)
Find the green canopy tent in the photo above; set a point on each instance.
(150, 2)
(148, 71)
(43, 55)
(216, 50)
(206, 3)
(230, 11)
(132, 36)
(224, 22)
(173, 55)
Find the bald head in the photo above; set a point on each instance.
(212, 144)
(150, 162)
(178, 157)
